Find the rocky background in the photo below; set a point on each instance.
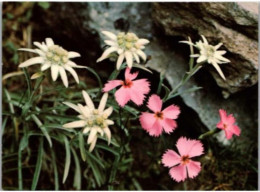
(78, 26)
(164, 24)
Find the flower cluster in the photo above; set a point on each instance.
(209, 53)
(96, 122)
(91, 119)
(127, 45)
(54, 57)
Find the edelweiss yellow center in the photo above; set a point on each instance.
(127, 41)
(57, 55)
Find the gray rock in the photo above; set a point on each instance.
(233, 24)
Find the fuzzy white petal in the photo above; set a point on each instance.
(92, 135)
(201, 59)
(218, 70)
(29, 50)
(75, 124)
(136, 57)
(103, 103)
(84, 110)
(142, 41)
(110, 35)
(109, 122)
(43, 47)
(64, 77)
(32, 61)
(72, 72)
(111, 43)
(142, 54)
(49, 42)
(108, 134)
(129, 59)
(54, 72)
(73, 106)
(120, 60)
(106, 53)
(86, 130)
(108, 111)
(45, 66)
(73, 54)
(93, 144)
(88, 100)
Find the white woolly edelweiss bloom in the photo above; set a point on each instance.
(127, 45)
(209, 53)
(54, 57)
(95, 121)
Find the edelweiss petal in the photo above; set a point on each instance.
(210, 54)
(93, 121)
(127, 45)
(54, 57)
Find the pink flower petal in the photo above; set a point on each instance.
(155, 103)
(170, 158)
(147, 120)
(136, 96)
(189, 147)
(193, 168)
(111, 85)
(178, 173)
(169, 125)
(223, 115)
(171, 112)
(129, 75)
(141, 85)
(231, 119)
(236, 130)
(228, 134)
(156, 129)
(122, 96)
(220, 125)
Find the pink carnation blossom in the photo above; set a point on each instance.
(131, 89)
(181, 165)
(227, 124)
(154, 123)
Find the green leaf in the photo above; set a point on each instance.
(67, 159)
(97, 76)
(56, 175)
(20, 175)
(95, 170)
(4, 124)
(109, 149)
(77, 174)
(43, 129)
(38, 165)
(82, 146)
(44, 5)
(162, 75)
(142, 67)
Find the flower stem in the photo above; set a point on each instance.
(209, 133)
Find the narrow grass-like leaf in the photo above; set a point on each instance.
(101, 164)
(38, 165)
(97, 76)
(82, 147)
(67, 160)
(95, 170)
(28, 80)
(4, 124)
(43, 129)
(56, 175)
(137, 184)
(142, 67)
(77, 174)
(20, 175)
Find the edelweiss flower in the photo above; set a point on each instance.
(127, 46)
(131, 88)
(210, 54)
(92, 120)
(181, 164)
(227, 124)
(54, 57)
(154, 123)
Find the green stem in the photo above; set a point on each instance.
(209, 133)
